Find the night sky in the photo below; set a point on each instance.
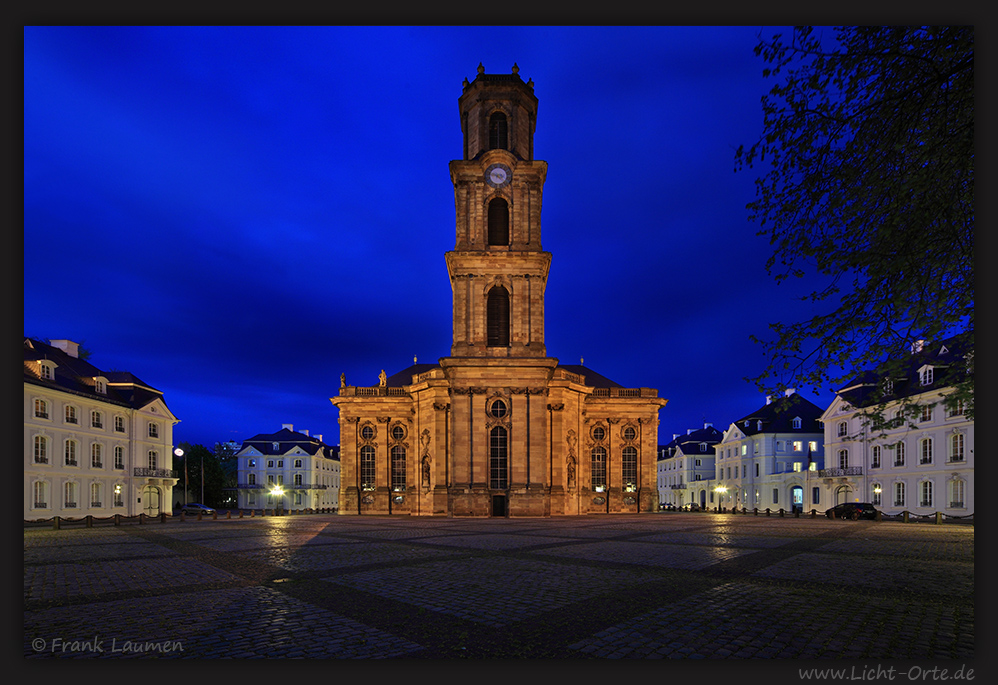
(239, 215)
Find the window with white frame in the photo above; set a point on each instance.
(270, 463)
(96, 419)
(69, 495)
(957, 488)
(280, 463)
(95, 495)
(251, 479)
(41, 449)
(876, 496)
(875, 457)
(119, 457)
(71, 414)
(153, 459)
(69, 453)
(843, 429)
(297, 463)
(926, 413)
(96, 455)
(899, 454)
(925, 493)
(925, 451)
(956, 408)
(797, 422)
(776, 495)
(956, 447)
(798, 446)
(899, 494)
(153, 430)
(298, 479)
(41, 409)
(925, 375)
(744, 450)
(812, 446)
(119, 496)
(798, 467)
(47, 371)
(41, 492)
(100, 385)
(843, 459)
(119, 424)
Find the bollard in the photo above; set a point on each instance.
(214, 515)
(939, 517)
(878, 516)
(228, 514)
(755, 511)
(767, 511)
(55, 523)
(904, 516)
(199, 516)
(142, 519)
(796, 513)
(89, 521)
(162, 517)
(814, 512)
(117, 519)
(240, 513)
(781, 512)
(252, 513)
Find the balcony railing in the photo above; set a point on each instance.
(678, 486)
(154, 473)
(956, 505)
(625, 392)
(835, 473)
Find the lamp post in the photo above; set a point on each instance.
(179, 453)
(278, 492)
(720, 490)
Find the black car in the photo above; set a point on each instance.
(852, 510)
(197, 509)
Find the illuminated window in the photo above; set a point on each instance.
(96, 419)
(629, 468)
(598, 468)
(70, 453)
(41, 409)
(876, 498)
(119, 424)
(899, 494)
(153, 430)
(70, 414)
(119, 497)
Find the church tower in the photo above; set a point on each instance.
(498, 269)
(498, 428)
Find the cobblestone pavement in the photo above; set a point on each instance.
(670, 585)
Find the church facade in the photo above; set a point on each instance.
(498, 428)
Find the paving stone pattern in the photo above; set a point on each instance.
(670, 585)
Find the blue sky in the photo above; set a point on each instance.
(238, 215)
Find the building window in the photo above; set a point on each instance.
(955, 409)
(843, 429)
(119, 457)
(398, 468)
(153, 430)
(69, 492)
(366, 467)
(925, 451)
(498, 458)
(270, 481)
(297, 463)
(96, 455)
(498, 233)
(843, 459)
(798, 467)
(925, 493)
(798, 446)
(629, 468)
(498, 409)
(41, 409)
(119, 424)
(956, 493)
(926, 413)
(598, 467)
(70, 414)
(599, 433)
(812, 446)
(497, 317)
(815, 495)
(46, 371)
(251, 463)
(119, 497)
(41, 494)
(275, 446)
(41, 449)
(70, 453)
(757, 469)
(925, 376)
(297, 479)
(875, 457)
(876, 497)
(498, 139)
(280, 463)
(251, 479)
(398, 431)
(899, 454)
(956, 447)
(630, 434)
(367, 432)
(96, 419)
(100, 385)
(797, 422)
(776, 495)
(270, 463)
(899, 494)
(95, 495)
(153, 459)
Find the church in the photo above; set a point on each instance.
(498, 428)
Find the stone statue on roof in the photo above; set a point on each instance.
(382, 379)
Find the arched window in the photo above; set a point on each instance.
(119, 458)
(497, 313)
(95, 495)
(843, 459)
(598, 468)
(498, 458)
(497, 132)
(398, 468)
(956, 447)
(251, 479)
(96, 455)
(877, 491)
(498, 222)
(629, 468)
(41, 495)
(899, 454)
(41, 450)
(925, 449)
(367, 467)
(956, 493)
(875, 459)
(925, 493)
(899, 494)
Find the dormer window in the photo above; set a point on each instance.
(758, 425)
(925, 375)
(47, 371)
(797, 422)
(276, 446)
(746, 423)
(100, 386)
(888, 386)
(703, 447)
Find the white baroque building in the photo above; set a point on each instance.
(306, 470)
(922, 461)
(684, 462)
(95, 442)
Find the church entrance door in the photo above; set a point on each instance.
(499, 505)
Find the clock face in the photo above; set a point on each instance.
(497, 175)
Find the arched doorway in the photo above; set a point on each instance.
(797, 498)
(843, 494)
(703, 499)
(150, 501)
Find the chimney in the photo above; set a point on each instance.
(68, 346)
(916, 346)
(675, 435)
(304, 431)
(707, 424)
(689, 430)
(289, 426)
(789, 391)
(318, 437)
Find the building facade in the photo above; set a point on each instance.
(498, 428)
(684, 462)
(95, 442)
(919, 457)
(288, 470)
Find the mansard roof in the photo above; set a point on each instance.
(690, 442)
(590, 377)
(404, 377)
(947, 358)
(76, 376)
(286, 440)
(778, 417)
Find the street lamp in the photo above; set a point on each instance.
(278, 492)
(720, 490)
(179, 452)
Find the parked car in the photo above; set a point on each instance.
(197, 509)
(852, 510)
(691, 506)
